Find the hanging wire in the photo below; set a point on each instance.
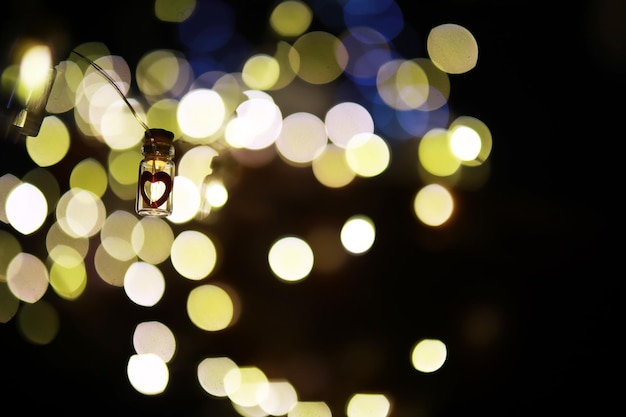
(112, 82)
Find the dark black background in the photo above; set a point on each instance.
(539, 246)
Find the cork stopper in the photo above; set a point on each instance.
(158, 142)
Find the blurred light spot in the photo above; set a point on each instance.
(57, 237)
(63, 94)
(7, 183)
(118, 128)
(90, 175)
(291, 18)
(249, 411)
(51, 144)
(110, 269)
(452, 48)
(483, 133)
(174, 11)
(33, 75)
(428, 355)
(302, 138)
(358, 234)
(331, 167)
(163, 73)
(116, 232)
(193, 254)
(26, 208)
(96, 99)
(210, 308)
(214, 192)
(211, 373)
(123, 167)
(437, 81)
(433, 205)
(465, 143)
(9, 303)
(230, 87)
(201, 113)
(402, 84)
(186, 200)
(80, 213)
(38, 323)
(368, 154)
(249, 388)
(257, 125)
(290, 258)
(68, 275)
(27, 277)
(435, 155)
(310, 408)
(318, 57)
(47, 183)
(260, 72)
(196, 163)
(144, 284)
(154, 337)
(368, 405)
(368, 50)
(281, 398)
(163, 114)
(152, 239)
(11, 246)
(344, 120)
(288, 64)
(147, 373)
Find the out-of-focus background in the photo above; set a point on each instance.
(512, 267)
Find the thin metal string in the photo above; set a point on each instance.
(112, 82)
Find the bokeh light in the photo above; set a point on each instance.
(147, 373)
(290, 258)
(358, 234)
(26, 208)
(433, 205)
(428, 355)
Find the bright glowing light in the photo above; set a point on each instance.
(433, 205)
(26, 208)
(193, 254)
(215, 192)
(144, 284)
(358, 234)
(252, 386)
(210, 308)
(147, 373)
(368, 405)
(465, 143)
(154, 337)
(291, 258)
(34, 66)
(201, 113)
(428, 355)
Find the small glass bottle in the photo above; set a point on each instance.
(156, 174)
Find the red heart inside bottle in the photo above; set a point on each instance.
(155, 188)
